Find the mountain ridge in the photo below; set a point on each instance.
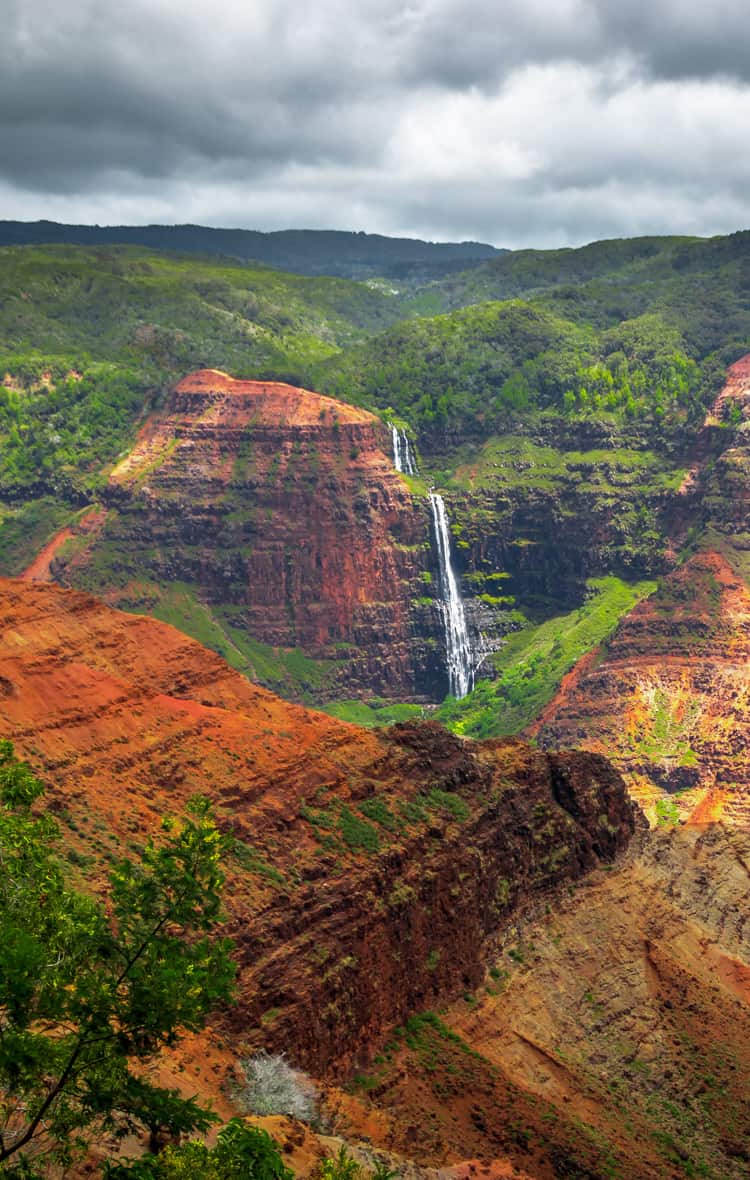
(343, 253)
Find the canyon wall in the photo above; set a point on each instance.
(668, 695)
(282, 510)
(367, 871)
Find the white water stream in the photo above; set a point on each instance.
(457, 645)
(403, 456)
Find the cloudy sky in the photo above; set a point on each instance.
(520, 122)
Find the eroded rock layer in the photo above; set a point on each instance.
(669, 698)
(612, 1034)
(283, 509)
(368, 869)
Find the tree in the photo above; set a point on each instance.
(241, 1153)
(87, 994)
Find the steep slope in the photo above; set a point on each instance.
(376, 876)
(282, 513)
(669, 698)
(368, 871)
(89, 339)
(622, 1015)
(668, 695)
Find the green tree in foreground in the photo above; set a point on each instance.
(241, 1153)
(86, 994)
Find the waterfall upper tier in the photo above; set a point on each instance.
(403, 455)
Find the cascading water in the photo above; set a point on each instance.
(457, 646)
(403, 456)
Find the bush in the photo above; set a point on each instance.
(241, 1153)
(271, 1086)
(88, 995)
(341, 1166)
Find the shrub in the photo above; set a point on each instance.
(241, 1153)
(341, 1166)
(272, 1086)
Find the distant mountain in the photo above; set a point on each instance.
(302, 251)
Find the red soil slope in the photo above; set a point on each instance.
(669, 699)
(370, 868)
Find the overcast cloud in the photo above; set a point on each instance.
(521, 122)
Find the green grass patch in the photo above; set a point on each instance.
(26, 528)
(253, 861)
(535, 659)
(373, 713)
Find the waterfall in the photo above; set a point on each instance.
(403, 456)
(457, 645)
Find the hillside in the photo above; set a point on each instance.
(91, 338)
(302, 251)
(558, 433)
(594, 1015)
(633, 269)
(126, 718)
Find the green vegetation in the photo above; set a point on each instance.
(304, 251)
(667, 728)
(535, 659)
(341, 1166)
(90, 336)
(699, 286)
(285, 670)
(667, 813)
(89, 994)
(485, 367)
(576, 385)
(373, 713)
(26, 527)
(357, 832)
(426, 1035)
(636, 330)
(455, 367)
(241, 1153)
(519, 464)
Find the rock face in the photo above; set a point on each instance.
(369, 870)
(612, 1034)
(551, 518)
(668, 697)
(282, 508)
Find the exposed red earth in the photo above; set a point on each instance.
(377, 864)
(283, 508)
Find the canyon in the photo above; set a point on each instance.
(274, 523)
(592, 977)
(487, 959)
(390, 857)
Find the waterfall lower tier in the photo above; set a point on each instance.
(457, 646)
(403, 456)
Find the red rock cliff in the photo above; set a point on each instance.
(369, 869)
(283, 509)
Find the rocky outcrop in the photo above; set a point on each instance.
(369, 869)
(668, 697)
(612, 1033)
(283, 510)
(550, 519)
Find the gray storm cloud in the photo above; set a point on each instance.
(535, 123)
